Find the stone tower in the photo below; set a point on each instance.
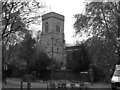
(52, 37)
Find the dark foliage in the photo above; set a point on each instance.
(40, 63)
(98, 74)
(80, 60)
(26, 49)
(103, 17)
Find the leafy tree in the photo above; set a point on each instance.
(118, 23)
(14, 59)
(26, 49)
(103, 55)
(100, 23)
(99, 20)
(16, 19)
(38, 36)
(40, 60)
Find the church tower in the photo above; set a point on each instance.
(53, 36)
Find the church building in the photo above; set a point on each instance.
(52, 38)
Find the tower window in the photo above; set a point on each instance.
(46, 26)
(57, 28)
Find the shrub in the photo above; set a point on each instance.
(98, 74)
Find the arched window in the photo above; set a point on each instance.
(46, 27)
(58, 28)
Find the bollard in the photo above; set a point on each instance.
(28, 86)
(21, 85)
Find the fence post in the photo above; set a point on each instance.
(21, 85)
(47, 87)
(28, 85)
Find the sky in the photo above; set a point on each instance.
(68, 8)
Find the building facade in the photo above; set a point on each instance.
(69, 52)
(52, 37)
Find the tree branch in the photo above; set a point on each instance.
(7, 19)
